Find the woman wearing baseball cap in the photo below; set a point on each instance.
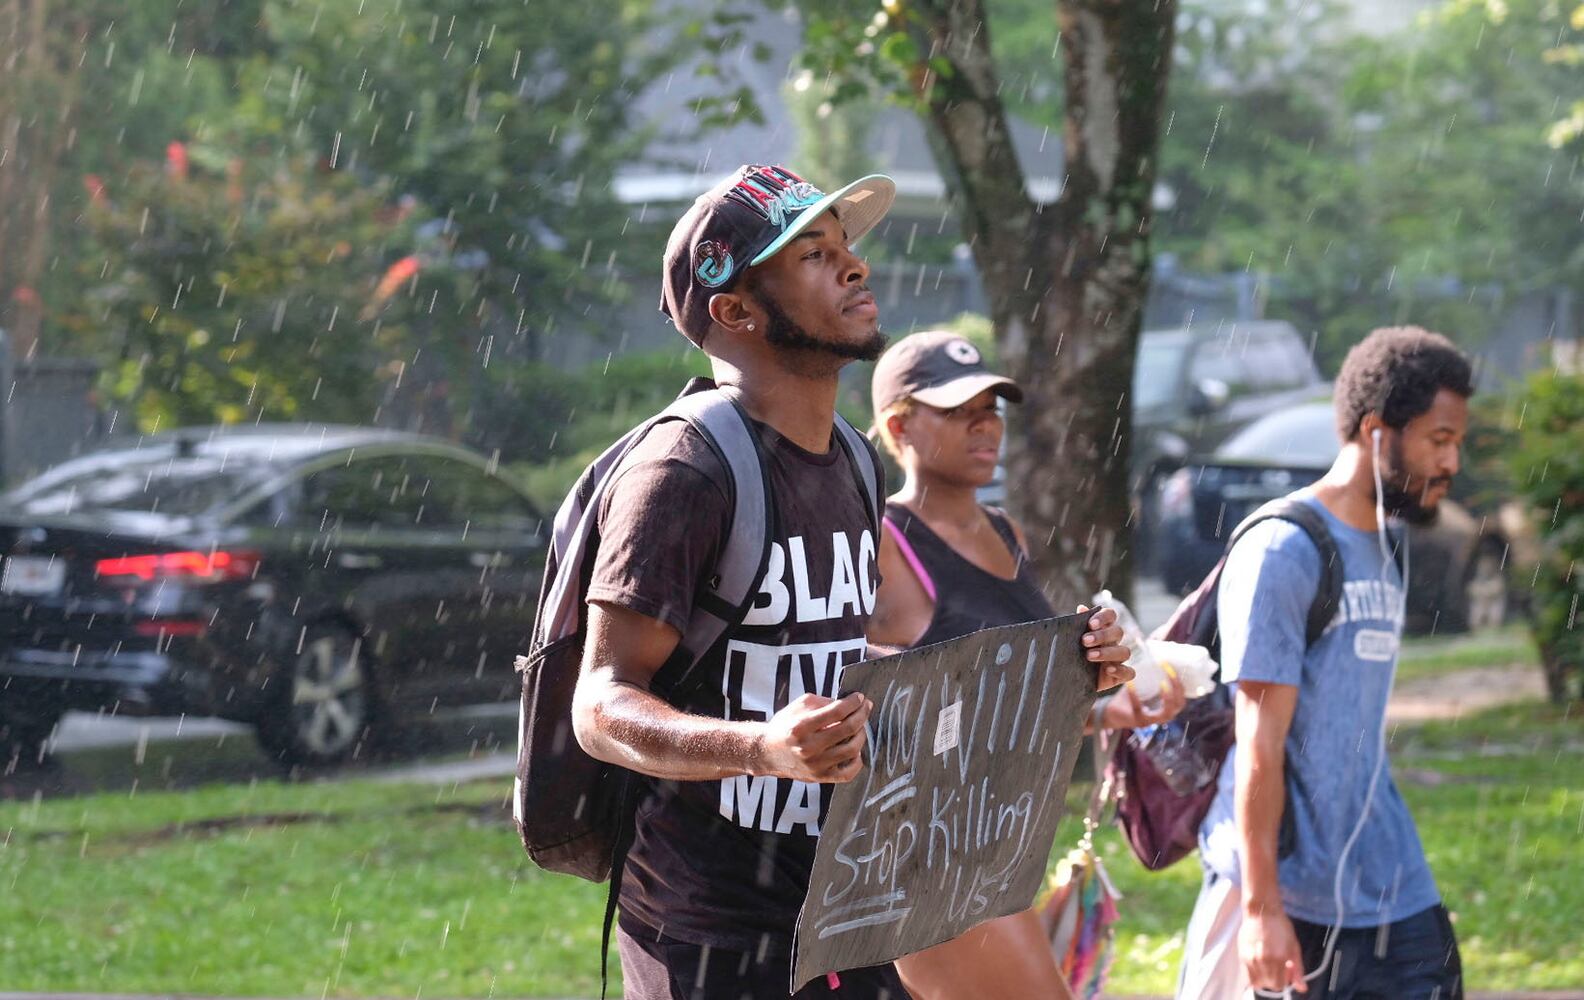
(950, 566)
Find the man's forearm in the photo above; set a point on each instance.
(1260, 799)
(1264, 716)
(624, 724)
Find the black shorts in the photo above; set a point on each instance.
(656, 969)
(1415, 958)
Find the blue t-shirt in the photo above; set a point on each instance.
(1343, 682)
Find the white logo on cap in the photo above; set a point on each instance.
(962, 352)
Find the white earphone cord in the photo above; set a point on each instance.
(1335, 931)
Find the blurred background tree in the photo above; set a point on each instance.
(92, 87)
(225, 288)
(1548, 470)
(467, 146)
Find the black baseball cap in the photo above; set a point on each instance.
(744, 220)
(938, 369)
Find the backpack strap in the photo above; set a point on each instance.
(729, 431)
(561, 604)
(1328, 596)
(731, 591)
(740, 569)
(865, 468)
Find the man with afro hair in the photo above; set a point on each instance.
(1346, 907)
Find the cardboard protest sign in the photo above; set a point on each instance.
(970, 747)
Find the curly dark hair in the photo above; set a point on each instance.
(1396, 371)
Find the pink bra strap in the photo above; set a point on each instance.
(912, 557)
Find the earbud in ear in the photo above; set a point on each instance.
(1375, 433)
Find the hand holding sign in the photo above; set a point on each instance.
(970, 746)
(816, 739)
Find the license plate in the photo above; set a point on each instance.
(32, 575)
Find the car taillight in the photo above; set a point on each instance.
(1176, 495)
(165, 628)
(193, 567)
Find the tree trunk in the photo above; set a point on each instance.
(1559, 672)
(1066, 282)
(35, 150)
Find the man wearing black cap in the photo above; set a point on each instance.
(760, 275)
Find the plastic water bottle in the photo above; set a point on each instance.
(1148, 675)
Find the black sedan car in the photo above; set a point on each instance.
(313, 581)
(1459, 565)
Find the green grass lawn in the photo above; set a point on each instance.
(1426, 656)
(1505, 838)
(362, 889)
(352, 889)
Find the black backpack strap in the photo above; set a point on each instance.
(613, 892)
(865, 469)
(1328, 595)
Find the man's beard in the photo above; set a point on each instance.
(1402, 494)
(783, 333)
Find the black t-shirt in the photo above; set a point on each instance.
(727, 863)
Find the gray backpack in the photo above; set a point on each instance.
(574, 813)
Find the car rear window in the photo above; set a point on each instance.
(1155, 370)
(136, 481)
(1304, 436)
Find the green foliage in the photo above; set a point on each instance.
(506, 128)
(832, 135)
(476, 136)
(1370, 181)
(1366, 180)
(238, 294)
(1567, 51)
(858, 51)
(92, 87)
(577, 415)
(1471, 189)
(1548, 471)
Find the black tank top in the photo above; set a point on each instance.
(968, 598)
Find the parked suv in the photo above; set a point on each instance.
(1192, 387)
(313, 581)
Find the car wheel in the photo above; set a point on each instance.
(1485, 588)
(24, 736)
(323, 708)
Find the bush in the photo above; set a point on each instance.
(549, 424)
(574, 416)
(1548, 472)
